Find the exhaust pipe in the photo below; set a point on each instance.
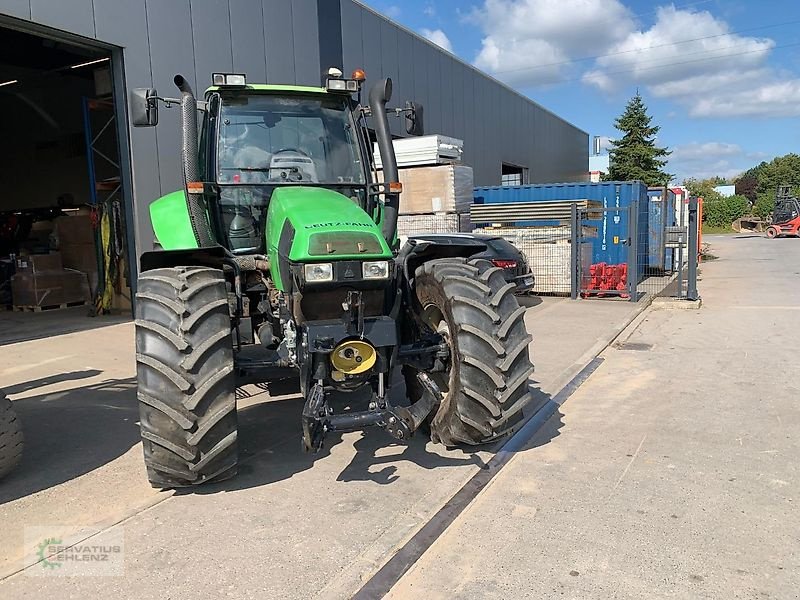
(379, 95)
(198, 215)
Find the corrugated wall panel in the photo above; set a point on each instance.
(211, 36)
(279, 39)
(371, 46)
(352, 50)
(446, 91)
(306, 42)
(247, 33)
(74, 16)
(170, 38)
(16, 8)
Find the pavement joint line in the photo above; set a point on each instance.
(391, 572)
(407, 556)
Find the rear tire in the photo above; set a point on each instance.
(186, 379)
(11, 440)
(470, 303)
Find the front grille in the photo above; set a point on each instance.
(327, 304)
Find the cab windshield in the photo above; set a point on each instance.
(278, 140)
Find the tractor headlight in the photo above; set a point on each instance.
(375, 269)
(318, 272)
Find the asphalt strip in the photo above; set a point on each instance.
(390, 573)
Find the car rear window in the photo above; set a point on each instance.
(502, 246)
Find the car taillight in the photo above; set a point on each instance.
(504, 264)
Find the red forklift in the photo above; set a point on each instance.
(786, 216)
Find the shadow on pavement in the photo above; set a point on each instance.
(72, 432)
(529, 301)
(270, 447)
(21, 388)
(26, 326)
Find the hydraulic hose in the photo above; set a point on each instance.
(379, 95)
(191, 170)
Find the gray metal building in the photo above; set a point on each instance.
(292, 41)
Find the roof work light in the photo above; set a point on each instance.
(336, 83)
(229, 79)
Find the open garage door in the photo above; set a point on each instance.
(62, 223)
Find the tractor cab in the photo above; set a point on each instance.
(258, 139)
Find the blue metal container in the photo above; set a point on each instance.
(661, 202)
(613, 229)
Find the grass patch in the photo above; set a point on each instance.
(710, 229)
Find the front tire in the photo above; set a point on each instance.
(11, 440)
(486, 386)
(186, 379)
(772, 232)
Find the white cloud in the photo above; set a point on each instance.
(696, 150)
(393, 11)
(770, 99)
(654, 57)
(688, 56)
(707, 159)
(438, 37)
(720, 75)
(528, 42)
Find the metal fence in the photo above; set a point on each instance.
(581, 257)
(671, 266)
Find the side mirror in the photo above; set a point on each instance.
(144, 107)
(414, 121)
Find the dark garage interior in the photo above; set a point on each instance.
(62, 229)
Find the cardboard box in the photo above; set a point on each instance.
(75, 229)
(31, 264)
(49, 288)
(439, 189)
(83, 258)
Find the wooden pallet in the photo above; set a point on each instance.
(23, 308)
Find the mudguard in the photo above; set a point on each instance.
(414, 253)
(209, 256)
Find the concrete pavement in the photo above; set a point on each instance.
(675, 472)
(291, 524)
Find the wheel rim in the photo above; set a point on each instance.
(435, 320)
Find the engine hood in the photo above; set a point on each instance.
(311, 224)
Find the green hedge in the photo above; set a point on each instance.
(722, 212)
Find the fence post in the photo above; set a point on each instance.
(633, 238)
(694, 251)
(681, 243)
(574, 258)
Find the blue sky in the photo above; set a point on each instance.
(722, 78)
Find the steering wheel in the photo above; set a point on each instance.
(292, 150)
(296, 170)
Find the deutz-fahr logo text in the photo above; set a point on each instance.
(338, 224)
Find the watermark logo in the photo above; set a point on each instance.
(74, 552)
(45, 550)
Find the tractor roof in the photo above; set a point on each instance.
(266, 88)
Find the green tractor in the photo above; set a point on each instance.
(281, 253)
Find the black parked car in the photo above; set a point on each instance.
(499, 251)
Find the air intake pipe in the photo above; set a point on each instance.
(379, 95)
(196, 204)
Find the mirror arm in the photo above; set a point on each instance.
(169, 102)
